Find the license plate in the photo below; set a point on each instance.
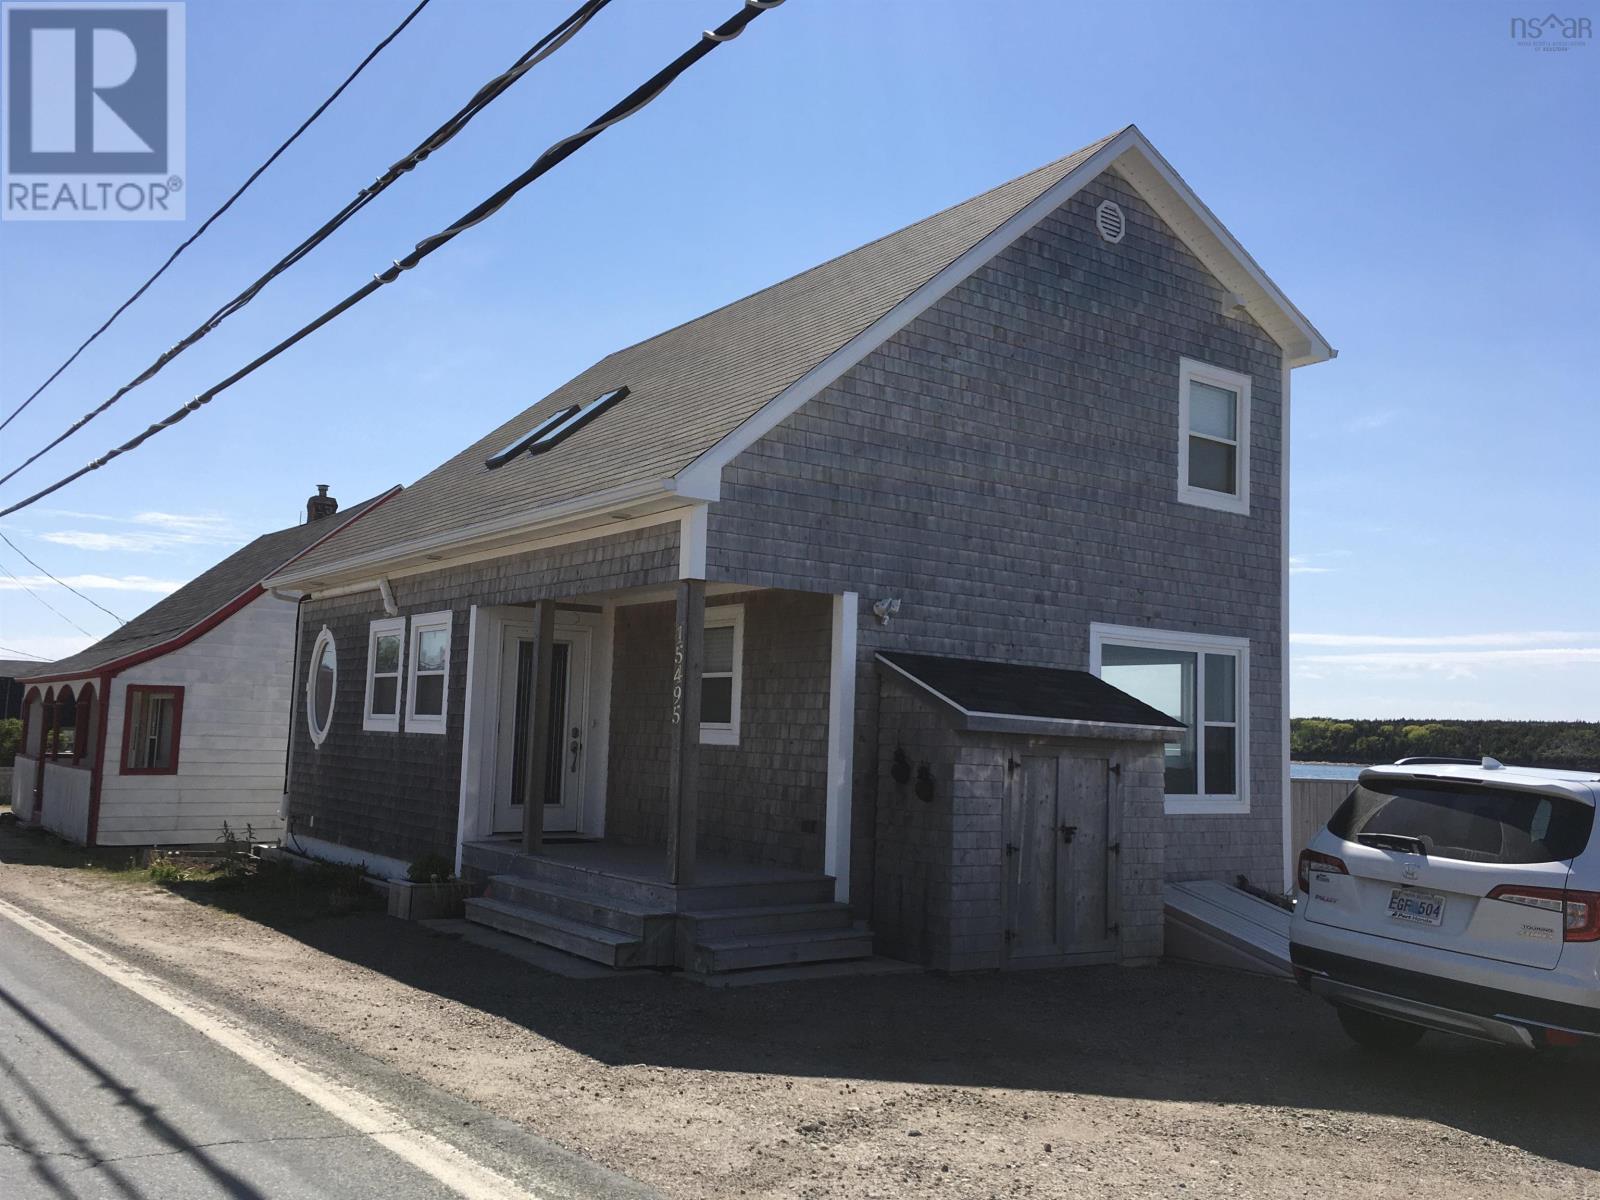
(1420, 908)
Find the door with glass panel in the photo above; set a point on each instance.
(566, 763)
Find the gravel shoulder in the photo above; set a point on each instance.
(1092, 1082)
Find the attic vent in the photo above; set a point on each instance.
(1108, 219)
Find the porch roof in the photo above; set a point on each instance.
(1011, 697)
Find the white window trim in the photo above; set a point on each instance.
(1202, 644)
(1189, 371)
(428, 722)
(384, 722)
(318, 736)
(721, 616)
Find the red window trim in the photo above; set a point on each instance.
(127, 729)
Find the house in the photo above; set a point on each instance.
(931, 600)
(178, 721)
(11, 691)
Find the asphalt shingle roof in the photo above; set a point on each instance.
(694, 384)
(203, 595)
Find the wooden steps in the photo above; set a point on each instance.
(737, 919)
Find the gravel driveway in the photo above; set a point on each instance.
(1167, 1081)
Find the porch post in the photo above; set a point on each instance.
(841, 744)
(683, 787)
(537, 768)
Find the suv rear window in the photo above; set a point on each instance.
(1478, 824)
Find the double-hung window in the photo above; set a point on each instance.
(1200, 680)
(152, 725)
(1213, 437)
(386, 640)
(428, 686)
(721, 675)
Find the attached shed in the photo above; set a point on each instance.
(1019, 818)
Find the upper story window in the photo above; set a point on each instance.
(385, 659)
(322, 682)
(427, 695)
(722, 675)
(556, 428)
(152, 729)
(1200, 680)
(1213, 437)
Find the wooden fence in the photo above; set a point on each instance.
(1312, 802)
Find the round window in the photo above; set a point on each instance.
(321, 682)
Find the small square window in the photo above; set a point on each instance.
(1213, 437)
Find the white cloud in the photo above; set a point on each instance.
(1528, 638)
(150, 532)
(107, 583)
(1550, 656)
(1369, 421)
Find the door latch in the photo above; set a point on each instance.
(1068, 832)
(1010, 849)
(575, 746)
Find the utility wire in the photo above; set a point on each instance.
(226, 205)
(46, 603)
(537, 53)
(60, 582)
(24, 654)
(560, 151)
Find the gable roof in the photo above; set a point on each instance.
(18, 668)
(232, 581)
(705, 390)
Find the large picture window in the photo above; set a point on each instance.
(427, 693)
(386, 641)
(1213, 437)
(721, 675)
(152, 730)
(1200, 680)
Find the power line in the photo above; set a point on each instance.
(61, 582)
(537, 53)
(226, 205)
(559, 152)
(24, 654)
(46, 603)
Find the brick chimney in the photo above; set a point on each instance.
(321, 505)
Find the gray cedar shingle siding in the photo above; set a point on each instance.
(1007, 465)
(762, 800)
(398, 794)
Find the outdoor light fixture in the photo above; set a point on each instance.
(886, 608)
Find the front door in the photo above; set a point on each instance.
(563, 786)
(1061, 894)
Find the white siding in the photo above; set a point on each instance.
(22, 788)
(231, 747)
(66, 800)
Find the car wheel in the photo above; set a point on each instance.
(1374, 1032)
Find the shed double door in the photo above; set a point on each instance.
(1061, 858)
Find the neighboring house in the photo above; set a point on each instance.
(790, 615)
(179, 720)
(11, 691)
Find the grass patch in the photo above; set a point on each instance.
(274, 893)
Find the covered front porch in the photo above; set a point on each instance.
(687, 749)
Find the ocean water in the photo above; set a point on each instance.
(1309, 770)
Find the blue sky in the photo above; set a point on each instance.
(1420, 184)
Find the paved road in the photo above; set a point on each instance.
(104, 1094)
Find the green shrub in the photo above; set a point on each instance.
(164, 870)
(10, 740)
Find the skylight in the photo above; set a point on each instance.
(556, 428)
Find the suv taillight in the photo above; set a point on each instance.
(1581, 910)
(1315, 860)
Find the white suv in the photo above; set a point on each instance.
(1456, 895)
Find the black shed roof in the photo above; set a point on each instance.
(1009, 696)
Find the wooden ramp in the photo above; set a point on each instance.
(1214, 923)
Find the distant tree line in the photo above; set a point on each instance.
(1573, 744)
